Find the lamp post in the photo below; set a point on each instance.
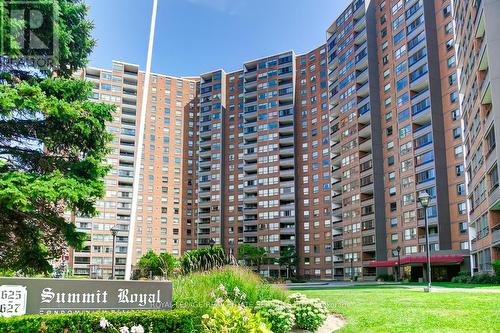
(398, 275)
(114, 231)
(352, 270)
(424, 199)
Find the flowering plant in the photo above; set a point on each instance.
(221, 294)
(279, 315)
(228, 317)
(310, 314)
(108, 327)
(296, 297)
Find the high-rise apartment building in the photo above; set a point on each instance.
(322, 154)
(269, 217)
(476, 28)
(167, 193)
(393, 95)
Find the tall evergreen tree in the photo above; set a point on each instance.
(53, 145)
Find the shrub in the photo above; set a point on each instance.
(174, 321)
(479, 278)
(484, 278)
(278, 314)
(385, 277)
(310, 314)
(228, 317)
(496, 268)
(292, 298)
(462, 277)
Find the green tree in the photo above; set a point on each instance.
(149, 263)
(252, 255)
(71, 29)
(288, 259)
(53, 145)
(167, 263)
(152, 264)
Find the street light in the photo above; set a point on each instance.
(352, 270)
(424, 199)
(398, 275)
(114, 231)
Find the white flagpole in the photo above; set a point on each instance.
(140, 142)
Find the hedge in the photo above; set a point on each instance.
(174, 321)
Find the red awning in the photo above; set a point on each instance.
(420, 259)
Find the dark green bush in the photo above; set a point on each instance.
(385, 277)
(175, 321)
(496, 268)
(462, 277)
(484, 278)
(479, 278)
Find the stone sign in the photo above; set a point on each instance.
(20, 296)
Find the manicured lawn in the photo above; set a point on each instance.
(396, 309)
(457, 285)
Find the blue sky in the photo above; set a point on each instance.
(196, 36)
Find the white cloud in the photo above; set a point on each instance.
(230, 7)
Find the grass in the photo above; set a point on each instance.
(192, 292)
(456, 285)
(396, 309)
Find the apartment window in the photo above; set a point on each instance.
(449, 45)
(459, 151)
(491, 140)
(392, 191)
(457, 132)
(459, 170)
(454, 97)
(425, 176)
(394, 206)
(452, 79)
(394, 237)
(462, 227)
(447, 11)
(455, 114)
(394, 222)
(451, 61)
(461, 189)
(392, 176)
(403, 115)
(493, 177)
(464, 245)
(462, 208)
(448, 28)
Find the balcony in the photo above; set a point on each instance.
(287, 162)
(486, 90)
(433, 238)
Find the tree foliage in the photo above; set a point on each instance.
(252, 255)
(70, 28)
(157, 265)
(288, 258)
(53, 144)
